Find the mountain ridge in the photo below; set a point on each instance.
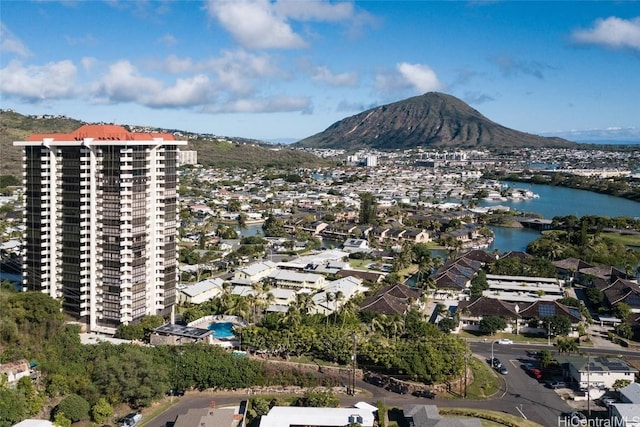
(433, 119)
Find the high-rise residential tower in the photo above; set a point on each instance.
(101, 222)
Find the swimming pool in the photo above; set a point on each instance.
(221, 330)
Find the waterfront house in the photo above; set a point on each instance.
(356, 245)
(416, 236)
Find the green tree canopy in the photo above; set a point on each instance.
(491, 324)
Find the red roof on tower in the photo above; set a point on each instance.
(101, 133)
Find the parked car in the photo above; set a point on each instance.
(131, 420)
(377, 381)
(557, 384)
(536, 373)
(608, 401)
(424, 393)
(503, 370)
(495, 362)
(505, 341)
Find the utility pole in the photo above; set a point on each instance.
(588, 386)
(353, 366)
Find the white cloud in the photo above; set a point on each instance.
(10, 43)
(314, 10)
(266, 24)
(175, 65)
(612, 32)
(255, 24)
(324, 75)
(168, 40)
(88, 40)
(123, 83)
(38, 83)
(262, 105)
(420, 76)
(88, 63)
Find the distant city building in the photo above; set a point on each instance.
(101, 216)
(187, 157)
(371, 161)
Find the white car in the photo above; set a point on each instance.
(505, 341)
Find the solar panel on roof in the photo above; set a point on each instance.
(545, 310)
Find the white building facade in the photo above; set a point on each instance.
(101, 222)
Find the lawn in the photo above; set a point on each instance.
(492, 417)
(485, 383)
(625, 239)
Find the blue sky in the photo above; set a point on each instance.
(289, 69)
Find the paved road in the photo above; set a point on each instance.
(519, 395)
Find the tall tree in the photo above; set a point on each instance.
(368, 208)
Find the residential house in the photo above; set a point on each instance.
(416, 236)
(211, 417)
(356, 245)
(630, 393)
(336, 293)
(596, 372)
(290, 416)
(517, 315)
(543, 309)
(294, 280)
(200, 292)
(379, 233)
(623, 291)
(523, 288)
(395, 234)
(253, 273)
(625, 415)
(15, 370)
(392, 299)
(338, 231)
(314, 227)
(478, 255)
(31, 422)
(454, 277)
(568, 268)
(604, 272)
(470, 313)
(370, 276)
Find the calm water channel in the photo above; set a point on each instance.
(553, 201)
(556, 201)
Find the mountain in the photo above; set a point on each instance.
(221, 152)
(17, 127)
(430, 120)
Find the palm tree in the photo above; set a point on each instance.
(328, 297)
(338, 298)
(304, 303)
(262, 293)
